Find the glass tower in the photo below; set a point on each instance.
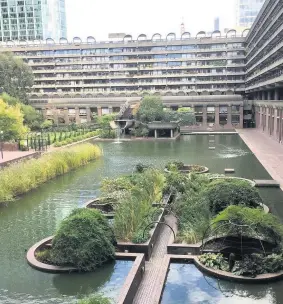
(247, 11)
(32, 19)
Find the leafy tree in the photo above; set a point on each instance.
(11, 121)
(16, 77)
(32, 118)
(151, 109)
(46, 124)
(84, 240)
(184, 117)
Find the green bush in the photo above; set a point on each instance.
(249, 222)
(84, 240)
(215, 261)
(95, 299)
(222, 193)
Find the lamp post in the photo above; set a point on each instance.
(1, 143)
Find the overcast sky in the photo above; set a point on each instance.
(99, 17)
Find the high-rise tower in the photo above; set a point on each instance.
(247, 11)
(32, 19)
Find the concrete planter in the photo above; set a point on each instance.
(159, 125)
(130, 286)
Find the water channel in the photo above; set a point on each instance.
(37, 214)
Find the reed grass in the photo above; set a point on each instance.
(22, 177)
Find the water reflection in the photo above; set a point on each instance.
(186, 284)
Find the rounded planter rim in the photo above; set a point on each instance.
(225, 275)
(183, 170)
(33, 262)
(252, 183)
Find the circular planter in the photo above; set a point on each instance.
(267, 277)
(33, 262)
(188, 169)
(251, 182)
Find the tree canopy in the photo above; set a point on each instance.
(11, 121)
(16, 77)
(33, 119)
(151, 109)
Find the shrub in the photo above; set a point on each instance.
(95, 299)
(214, 261)
(84, 240)
(222, 193)
(174, 165)
(257, 224)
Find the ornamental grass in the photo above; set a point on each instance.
(22, 177)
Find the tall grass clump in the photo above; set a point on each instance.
(25, 176)
(135, 211)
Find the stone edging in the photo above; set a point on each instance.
(188, 171)
(130, 286)
(251, 182)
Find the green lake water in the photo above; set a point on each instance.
(37, 214)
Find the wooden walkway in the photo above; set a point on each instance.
(154, 267)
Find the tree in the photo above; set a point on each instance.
(151, 109)
(11, 121)
(16, 77)
(32, 118)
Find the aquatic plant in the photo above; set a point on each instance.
(24, 176)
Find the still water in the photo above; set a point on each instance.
(37, 214)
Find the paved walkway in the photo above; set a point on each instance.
(267, 150)
(154, 267)
(12, 155)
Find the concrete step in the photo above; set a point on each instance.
(266, 183)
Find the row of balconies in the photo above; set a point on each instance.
(273, 65)
(184, 51)
(263, 21)
(53, 71)
(109, 77)
(274, 38)
(137, 60)
(137, 84)
(273, 79)
(267, 56)
(271, 24)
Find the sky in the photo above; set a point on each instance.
(98, 18)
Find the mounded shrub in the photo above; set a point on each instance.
(249, 222)
(84, 240)
(223, 193)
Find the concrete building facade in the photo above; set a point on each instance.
(247, 11)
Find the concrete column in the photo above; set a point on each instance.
(99, 111)
(155, 134)
(260, 117)
(262, 95)
(55, 115)
(229, 116)
(276, 94)
(241, 124)
(269, 95)
(275, 133)
(66, 116)
(217, 116)
(266, 119)
(280, 125)
(88, 114)
(172, 133)
(204, 116)
(78, 120)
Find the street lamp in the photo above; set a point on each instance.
(1, 143)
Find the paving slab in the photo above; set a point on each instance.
(268, 151)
